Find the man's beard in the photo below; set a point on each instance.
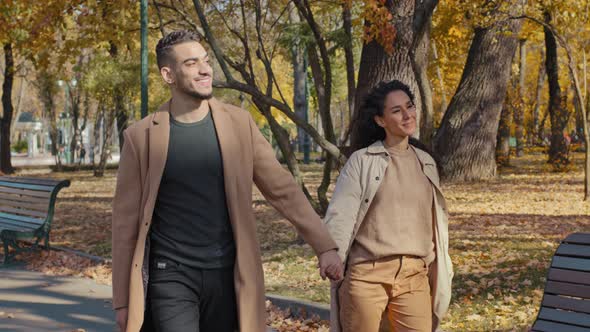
(196, 94)
(200, 95)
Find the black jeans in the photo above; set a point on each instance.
(184, 298)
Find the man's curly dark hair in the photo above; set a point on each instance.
(164, 47)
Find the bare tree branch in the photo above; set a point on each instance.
(185, 17)
(212, 41)
(285, 109)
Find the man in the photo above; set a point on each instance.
(184, 234)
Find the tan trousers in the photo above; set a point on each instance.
(397, 285)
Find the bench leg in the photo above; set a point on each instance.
(6, 257)
(46, 240)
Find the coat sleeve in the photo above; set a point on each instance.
(344, 207)
(280, 189)
(125, 221)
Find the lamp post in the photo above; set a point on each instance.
(144, 59)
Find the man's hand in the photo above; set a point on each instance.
(122, 319)
(331, 265)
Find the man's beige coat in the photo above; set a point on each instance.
(247, 159)
(355, 189)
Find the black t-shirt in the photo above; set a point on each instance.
(191, 223)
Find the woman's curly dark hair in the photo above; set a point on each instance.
(364, 130)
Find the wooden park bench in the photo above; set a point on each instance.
(566, 300)
(26, 211)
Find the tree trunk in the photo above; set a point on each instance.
(421, 69)
(299, 81)
(377, 66)
(324, 91)
(558, 115)
(5, 162)
(108, 120)
(120, 110)
(579, 119)
(465, 141)
(122, 118)
(75, 99)
(541, 133)
(536, 123)
(519, 111)
(349, 58)
(503, 137)
(439, 76)
(322, 77)
(21, 93)
(46, 84)
(411, 21)
(54, 136)
(75, 135)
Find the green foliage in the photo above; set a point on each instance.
(20, 146)
(104, 75)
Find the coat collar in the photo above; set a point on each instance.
(378, 148)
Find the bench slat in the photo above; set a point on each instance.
(45, 194)
(18, 185)
(545, 326)
(18, 228)
(573, 250)
(562, 288)
(21, 218)
(39, 207)
(22, 223)
(576, 277)
(24, 179)
(566, 303)
(24, 199)
(578, 238)
(571, 263)
(30, 213)
(567, 317)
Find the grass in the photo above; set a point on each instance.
(502, 235)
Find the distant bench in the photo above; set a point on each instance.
(26, 211)
(566, 300)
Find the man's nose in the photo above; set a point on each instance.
(205, 69)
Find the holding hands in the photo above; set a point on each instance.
(331, 265)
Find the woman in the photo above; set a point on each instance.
(388, 218)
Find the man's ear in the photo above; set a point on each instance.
(167, 74)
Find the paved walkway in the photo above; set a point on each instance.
(47, 160)
(31, 301)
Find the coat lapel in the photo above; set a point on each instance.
(159, 135)
(228, 143)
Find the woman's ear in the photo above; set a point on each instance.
(379, 121)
